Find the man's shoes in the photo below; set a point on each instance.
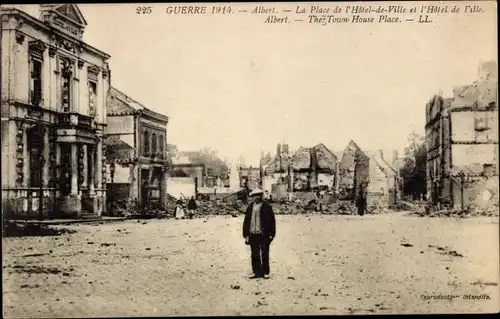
(266, 276)
(254, 276)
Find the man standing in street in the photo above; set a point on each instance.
(361, 200)
(259, 230)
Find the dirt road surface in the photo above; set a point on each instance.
(319, 265)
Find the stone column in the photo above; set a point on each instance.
(98, 168)
(74, 169)
(26, 157)
(85, 166)
(75, 86)
(92, 164)
(46, 159)
(58, 170)
(134, 190)
(46, 83)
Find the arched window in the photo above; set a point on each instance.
(153, 143)
(146, 142)
(161, 144)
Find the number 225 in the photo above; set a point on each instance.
(143, 10)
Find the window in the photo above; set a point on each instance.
(92, 98)
(35, 147)
(146, 142)
(161, 144)
(35, 80)
(66, 92)
(153, 143)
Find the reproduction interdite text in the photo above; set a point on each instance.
(324, 14)
(453, 297)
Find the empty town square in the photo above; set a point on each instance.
(170, 159)
(320, 264)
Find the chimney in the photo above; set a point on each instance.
(278, 157)
(285, 148)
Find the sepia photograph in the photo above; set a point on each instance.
(249, 158)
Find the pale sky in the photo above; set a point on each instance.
(239, 85)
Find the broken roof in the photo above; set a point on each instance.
(118, 103)
(117, 149)
(378, 158)
(301, 159)
(349, 155)
(326, 159)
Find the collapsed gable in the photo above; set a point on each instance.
(301, 160)
(325, 159)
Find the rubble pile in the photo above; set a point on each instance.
(220, 207)
(237, 207)
(430, 211)
(409, 206)
(288, 208)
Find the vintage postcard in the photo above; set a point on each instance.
(222, 159)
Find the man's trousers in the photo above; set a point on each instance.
(259, 245)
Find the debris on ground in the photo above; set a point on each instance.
(429, 210)
(12, 228)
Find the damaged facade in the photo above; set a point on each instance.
(184, 177)
(250, 177)
(345, 184)
(378, 179)
(53, 91)
(136, 142)
(462, 144)
(307, 169)
(313, 168)
(275, 172)
(368, 174)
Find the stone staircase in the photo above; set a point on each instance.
(88, 215)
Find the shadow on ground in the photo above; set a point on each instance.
(13, 229)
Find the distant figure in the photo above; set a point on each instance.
(361, 201)
(259, 230)
(191, 207)
(179, 210)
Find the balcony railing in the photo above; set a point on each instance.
(75, 119)
(64, 119)
(85, 121)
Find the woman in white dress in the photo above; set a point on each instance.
(179, 210)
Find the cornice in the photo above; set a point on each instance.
(23, 17)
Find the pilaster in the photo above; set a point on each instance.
(92, 163)
(74, 170)
(85, 165)
(45, 160)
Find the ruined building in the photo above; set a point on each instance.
(249, 177)
(136, 141)
(313, 168)
(462, 144)
(345, 184)
(274, 170)
(53, 88)
(364, 173)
